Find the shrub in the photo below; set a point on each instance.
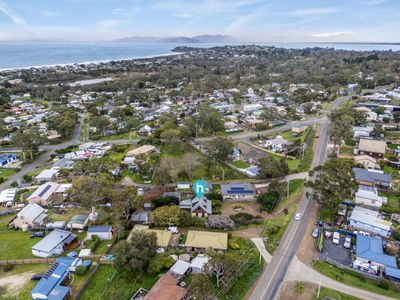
(384, 284)
(213, 196)
(81, 270)
(14, 184)
(234, 246)
(95, 243)
(27, 178)
(8, 267)
(285, 211)
(221, 222)
(243, 218)
(168, 200)
(159, 264)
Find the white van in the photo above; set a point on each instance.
(336, 238)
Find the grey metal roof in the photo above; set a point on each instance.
(371, 176)
(202, 203)
(31, 212)
(52, 240)
(236, 188)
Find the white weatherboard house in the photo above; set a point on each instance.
(47, 175)
(7, 197)
(369, 220)
(53, 244)
(103, 232)
(369, 198)
(32, 215)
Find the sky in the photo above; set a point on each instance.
(248, 20)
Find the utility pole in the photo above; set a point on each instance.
(319, 288)
(288, 189)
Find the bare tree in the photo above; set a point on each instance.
(190, 163)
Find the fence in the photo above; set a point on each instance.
(26, 261)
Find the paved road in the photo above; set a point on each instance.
(298, 271)
(45, 156)
(268, 285)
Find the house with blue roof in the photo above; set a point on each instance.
(54, 283)
(8, 158)
(237, 191)
(104, 232)
(370, 250)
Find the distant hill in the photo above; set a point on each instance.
(180, 39)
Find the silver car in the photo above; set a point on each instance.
(315, 233)
(347, 242)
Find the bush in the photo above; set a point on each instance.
(159, 264)
(213, 196)
(234, 246)
(244, 218)
(95, 243)
(27, 178)
(14, 184)
(384, 284)
(221, 222)
(168, 200)
(81, 270)
(8, 267)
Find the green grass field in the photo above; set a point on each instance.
(6, 172)
(240, 164)
(354, 279)
(107, 283)
(295, 189)
(14, 244)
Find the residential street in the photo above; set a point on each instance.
(274, 274)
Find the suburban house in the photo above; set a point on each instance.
(367, 161)
(360, 132)
(140, 217)
(142, 151)
(7, 197)
(48, 192)
(146, 130)
(299, 129)
(103, 232)
(63, 163)
(372, 148)
(369, 198)
(47, 175)
(197, 207)
(53, 244)
(163, 236)
(8, 158)
(369, 250)
(277, 144)
(237, 191)
(78, 222)
(166, 288)
(200, 241)
(373, 178)
(180, 268)
(54, 284)
(369, 220)
(32, 215)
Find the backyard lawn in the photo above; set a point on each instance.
(295, 189)
(288, 135)
(14, 244)
(107, 283)
(123, 136)
(240, 164)
(7, 172)
(354, 279)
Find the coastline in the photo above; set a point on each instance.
(96, 62)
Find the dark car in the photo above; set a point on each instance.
(36, 277)
(38, 234)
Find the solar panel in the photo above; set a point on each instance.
(44, 190)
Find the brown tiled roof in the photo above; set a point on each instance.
(166, 288)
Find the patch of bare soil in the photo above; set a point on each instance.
(15, 283)
(248, 233)
(251, 207)
(292, 290)
(307, 250)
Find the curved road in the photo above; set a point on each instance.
(44, 156)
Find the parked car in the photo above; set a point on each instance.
(362, 233)
(347, 242)
(36, 277)
(336, 238)
(297, 217)
(315, 233)
(38, 234)
(328, 234)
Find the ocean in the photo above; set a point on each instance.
(24, 54)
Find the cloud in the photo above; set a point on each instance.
(5, 9)
(184, 15)
(314, 11)
(110, 23)
(118, 10)
(331, 34)
(376, 2)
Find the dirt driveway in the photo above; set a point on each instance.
(13, 284)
